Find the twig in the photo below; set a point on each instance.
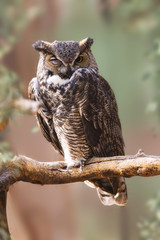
(25, 105)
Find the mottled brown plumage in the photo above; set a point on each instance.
(79, 114)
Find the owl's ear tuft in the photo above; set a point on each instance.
(86, 44)
(42, 46)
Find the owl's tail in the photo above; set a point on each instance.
(110, 190)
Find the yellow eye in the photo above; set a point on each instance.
(79, 59)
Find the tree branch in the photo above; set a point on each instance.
(26, 106)
(22, 168)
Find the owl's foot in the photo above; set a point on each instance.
(73, 164)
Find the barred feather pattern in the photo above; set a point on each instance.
(80, 119)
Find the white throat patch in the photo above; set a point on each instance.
(57, 80)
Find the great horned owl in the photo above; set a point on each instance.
(79, 116)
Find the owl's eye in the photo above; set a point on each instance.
(54, 60)
(79, 59)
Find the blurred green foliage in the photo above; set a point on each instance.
(150, 227)
(12, 23)
(154, 76)
(8, 93)
(144, 17)
(5, 153)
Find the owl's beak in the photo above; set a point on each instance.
(69, 71)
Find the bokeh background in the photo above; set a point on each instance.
(127, 49)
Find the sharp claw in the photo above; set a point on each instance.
(81, 165)
(68, 170)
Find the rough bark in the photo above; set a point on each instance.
(22, 168)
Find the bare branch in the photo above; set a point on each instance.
(26, 105)
(21, 105)
(22, 168)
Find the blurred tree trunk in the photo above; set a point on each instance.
(4, 232)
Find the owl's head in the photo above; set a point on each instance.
(63, 58)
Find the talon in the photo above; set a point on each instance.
(81, 165)
(68, 170)
(140, 153)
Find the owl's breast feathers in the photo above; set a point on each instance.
(84, 109)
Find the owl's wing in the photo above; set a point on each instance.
(47, 128)
(44, 118)
(99, 112)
